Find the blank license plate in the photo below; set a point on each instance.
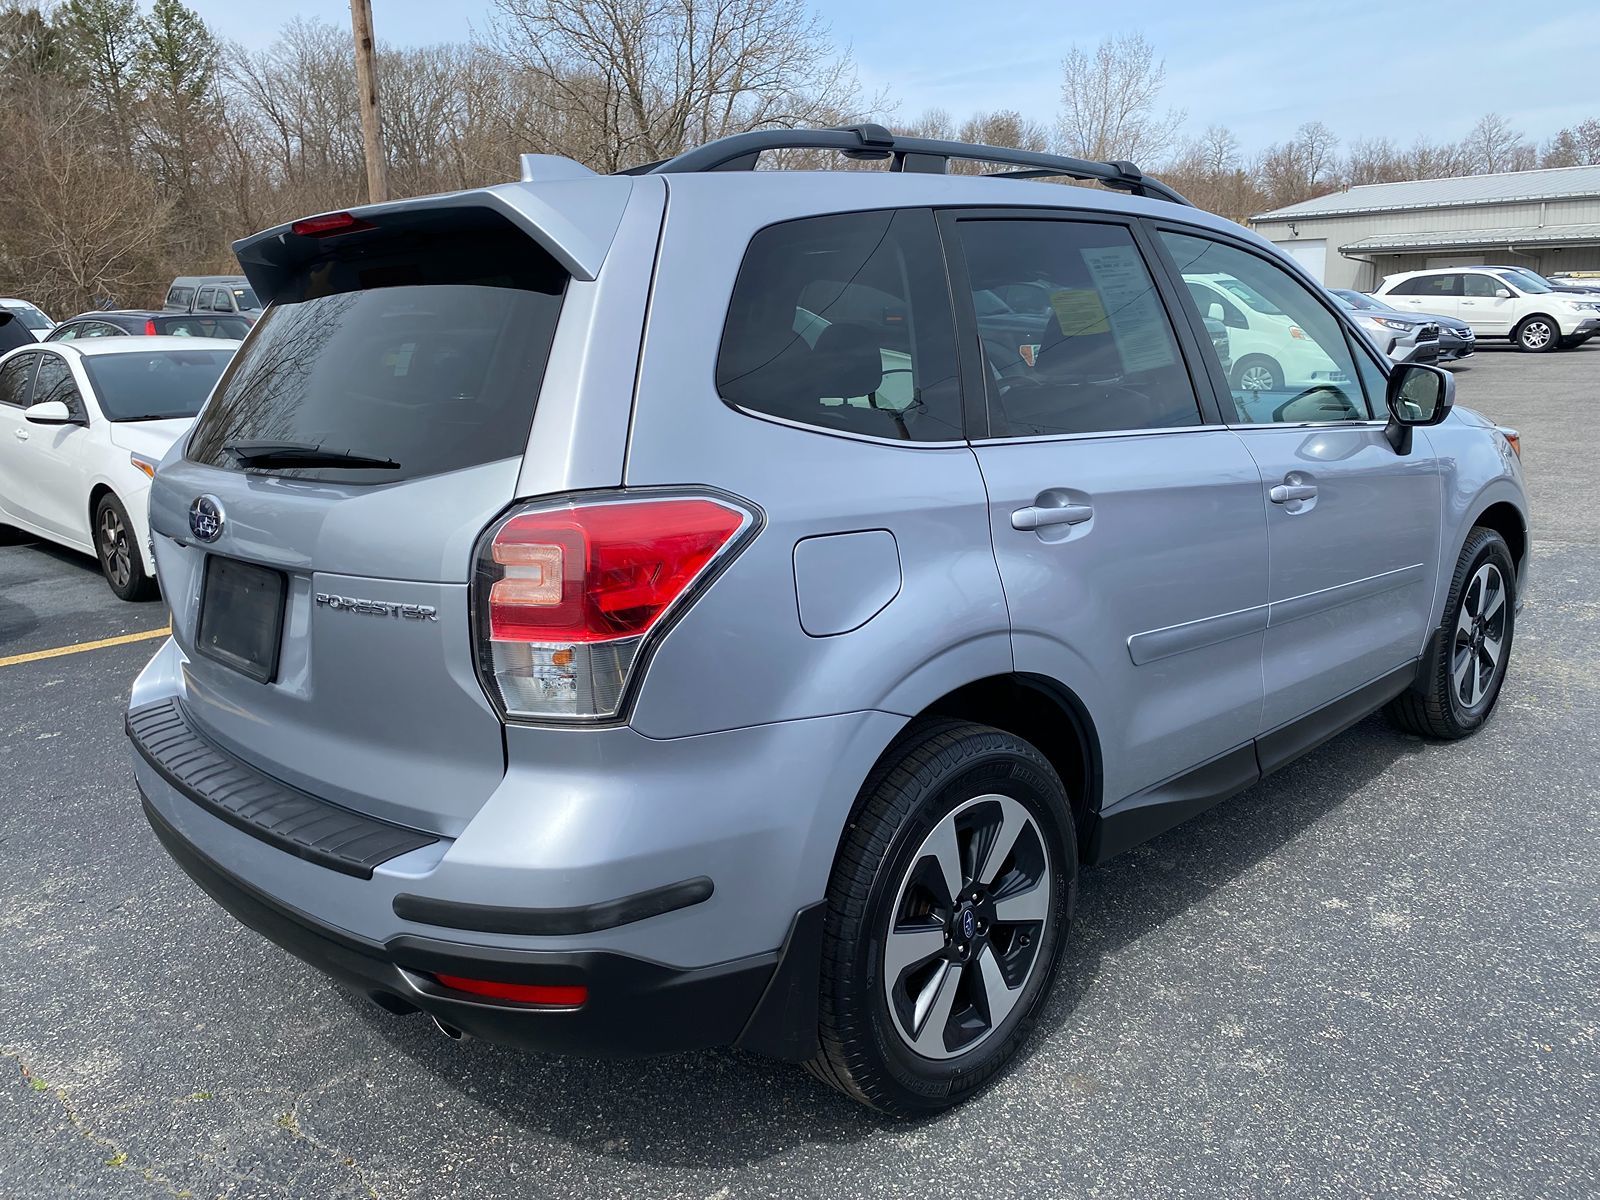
(241, 616)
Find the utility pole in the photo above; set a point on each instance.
(367, 82)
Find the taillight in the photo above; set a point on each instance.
(567, 594)
(149, 327)
(329, 224)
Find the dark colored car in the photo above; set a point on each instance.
(152, 323)
(13, 332)
(1456, 339)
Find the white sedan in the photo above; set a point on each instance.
(82, 426)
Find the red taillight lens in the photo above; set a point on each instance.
(329, 224)
(149, 327)
(552, 995)
(568, 593)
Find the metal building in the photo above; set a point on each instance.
(1548, 220)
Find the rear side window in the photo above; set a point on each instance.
(1083, 344)
(1429, 285)
(843, 323)
(427, 349)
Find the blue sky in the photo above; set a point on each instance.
(1366, 68)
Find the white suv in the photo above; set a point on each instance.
(1534, 318)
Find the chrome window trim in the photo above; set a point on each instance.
(900, 443)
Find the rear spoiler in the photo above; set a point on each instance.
(574, 219)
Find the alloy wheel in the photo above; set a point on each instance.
(1536, 335)
(966, 927)
(1255, 379)
(1479, 644)
(115, 553)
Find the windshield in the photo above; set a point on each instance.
(30, 316)
(1361, 302)
(1249, 295)
(1526, 280)
(154, 385)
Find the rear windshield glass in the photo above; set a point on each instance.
(154, 386)
(426, 352)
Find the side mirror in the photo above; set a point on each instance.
(1215, 311)
(1418, 395)
(49, 412)
(1502, 294)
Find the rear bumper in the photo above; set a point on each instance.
(634, 1006)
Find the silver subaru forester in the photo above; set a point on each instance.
(715, 606)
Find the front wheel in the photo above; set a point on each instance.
(1536, 335)
(1459, 682)
(948, 905)
(117, 547)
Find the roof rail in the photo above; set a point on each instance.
(927, 155)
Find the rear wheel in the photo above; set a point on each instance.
(1458, 684)
(946, 912)
(117, 547)
(1536, 334)
(1257, 373)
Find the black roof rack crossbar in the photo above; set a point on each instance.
(740, 152)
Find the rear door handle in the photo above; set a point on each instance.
(1285, 492)
(1036, 517)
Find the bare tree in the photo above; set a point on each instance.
(1493, 145)
(1578, 146)
(639, 80)
(1108, 101)
(1303, 167)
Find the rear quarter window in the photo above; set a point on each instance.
(843, 322)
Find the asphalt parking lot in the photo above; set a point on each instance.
(1378, 973)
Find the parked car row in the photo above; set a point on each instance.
(1500, 302)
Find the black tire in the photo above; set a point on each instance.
(1250, 365)
(1537, 334)
(117, 548)
(939, 773)
(1443, 704)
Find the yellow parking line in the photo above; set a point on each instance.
(36, 655)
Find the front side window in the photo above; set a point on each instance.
(843, 323)
(1484, 287)
(1291, 365)
(1083, 343)
(15, 377)
(55, 382)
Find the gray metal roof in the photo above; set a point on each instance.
(1511, 187)
(1529, 235)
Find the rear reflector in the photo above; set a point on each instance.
(566, 594)
(329, 224)
(551, 995)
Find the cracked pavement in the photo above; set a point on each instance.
(1378, 973)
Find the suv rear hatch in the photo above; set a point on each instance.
(315, 540)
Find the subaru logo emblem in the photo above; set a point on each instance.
(205, 518)
(969, 923)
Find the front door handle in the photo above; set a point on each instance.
(1036, 517)
(22, 434)
(1285, 492)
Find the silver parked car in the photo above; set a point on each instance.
(706, 606)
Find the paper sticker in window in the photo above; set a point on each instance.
(1138, 322)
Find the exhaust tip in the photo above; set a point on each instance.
(389, 1002)
(450, 1031)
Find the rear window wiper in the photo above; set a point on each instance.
(301, 454)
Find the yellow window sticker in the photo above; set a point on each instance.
(1079, 311)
